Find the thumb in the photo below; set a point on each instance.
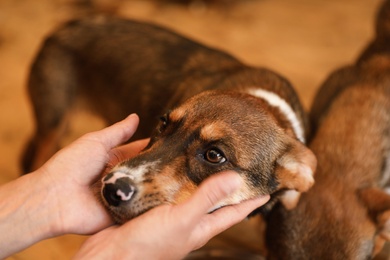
(212, 191)
(117, 133)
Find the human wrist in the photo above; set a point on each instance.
(25, 215)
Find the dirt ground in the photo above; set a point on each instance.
(304, 40)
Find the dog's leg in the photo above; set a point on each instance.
(52, 86)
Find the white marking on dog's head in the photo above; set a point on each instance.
(276, 101)
(115, 176)
(134, 173)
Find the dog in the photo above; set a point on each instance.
(218, 114)
(346, 214)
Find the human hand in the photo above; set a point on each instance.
(71, 172)
(172, 231)
(56, 199)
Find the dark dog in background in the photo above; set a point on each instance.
(346, 214)
(219, 114)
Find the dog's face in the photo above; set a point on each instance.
(209, 133)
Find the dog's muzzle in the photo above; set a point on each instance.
(118, 189)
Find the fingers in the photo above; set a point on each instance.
(211, 191)
(126, 151)
(131, 149)
(224, 218)
(117, 133)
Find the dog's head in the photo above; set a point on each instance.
(209, 133)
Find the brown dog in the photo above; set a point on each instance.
(346, 215)
(221, 114)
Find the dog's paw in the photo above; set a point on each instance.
(295, 173)
(290, 199)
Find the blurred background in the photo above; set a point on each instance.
(304, 40)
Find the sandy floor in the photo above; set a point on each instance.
(304, 40)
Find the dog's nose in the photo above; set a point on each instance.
(118, 191)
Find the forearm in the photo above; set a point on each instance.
(26, 214)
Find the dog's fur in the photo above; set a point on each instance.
(231, 116)
(346, 215)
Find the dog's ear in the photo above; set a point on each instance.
(378, 204)
(294, 172)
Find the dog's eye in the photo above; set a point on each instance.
(163, 123)
(214, 156)
(164, 120)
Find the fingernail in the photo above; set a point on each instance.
(132, 115)
(233, 182)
